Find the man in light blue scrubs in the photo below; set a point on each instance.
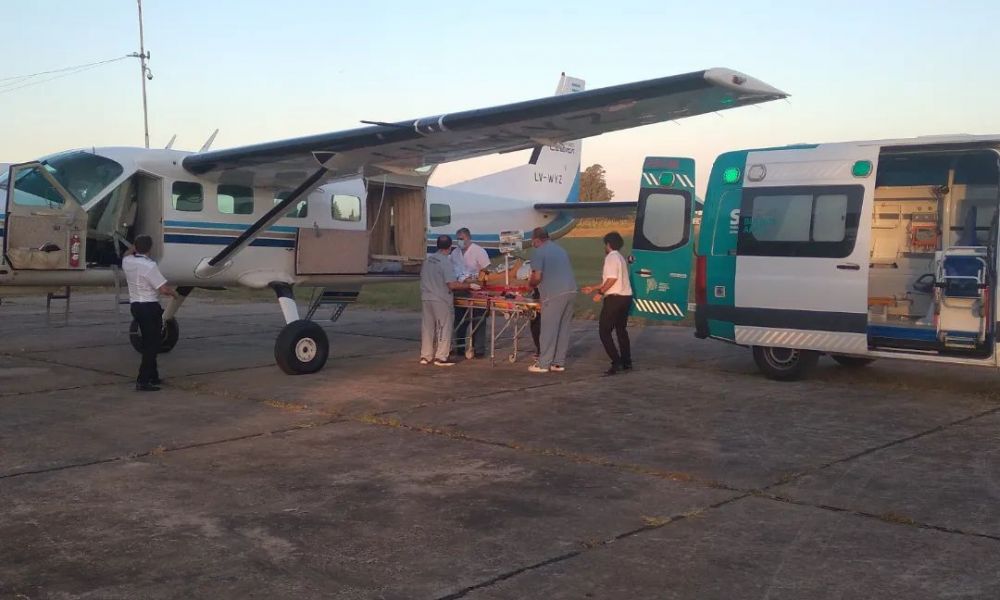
(552, 274)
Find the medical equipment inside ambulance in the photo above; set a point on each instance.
(933, 253)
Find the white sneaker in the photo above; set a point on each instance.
(424, 361)
(444, 363)
(557, 368)
(537, 369)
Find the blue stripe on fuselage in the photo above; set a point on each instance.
(220, 240)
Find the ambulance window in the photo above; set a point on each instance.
(345, 208)
(440, 215)
(817, 222)
(664, 222)
(781, 218)
(830, 218)
(235, 200)
(187, 196)
(299, 210)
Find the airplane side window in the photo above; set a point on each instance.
(299, 210)
(440, 215)
(187, 196)
(235, 200)
(345, 208)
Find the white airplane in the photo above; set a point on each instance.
(332, 210)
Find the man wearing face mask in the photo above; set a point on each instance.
(469, 261)
(552, 275)
(616, 291)
(437, 287)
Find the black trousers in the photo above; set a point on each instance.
(149, 315)
(614, 316)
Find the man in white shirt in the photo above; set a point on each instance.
(145, 284)
(470, 260)
(616, 291)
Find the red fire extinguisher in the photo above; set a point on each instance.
(74, 250)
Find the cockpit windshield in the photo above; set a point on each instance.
(81, 173)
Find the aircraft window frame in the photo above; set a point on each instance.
(439, 219)
(299, 210)
(239, 200)
(356, 204)
(175, 196)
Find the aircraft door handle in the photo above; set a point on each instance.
(644, 273)
(849, 267)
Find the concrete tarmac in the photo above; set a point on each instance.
(690, 477)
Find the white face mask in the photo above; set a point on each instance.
(461, 244)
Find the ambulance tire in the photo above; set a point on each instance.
(301, 348)
(171, 333)
(853, 362)
(784, 364)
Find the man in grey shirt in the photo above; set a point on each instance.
(437, 282)
(552, 274)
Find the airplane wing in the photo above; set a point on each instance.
(413, 147)
(580, 210)
(405, 146)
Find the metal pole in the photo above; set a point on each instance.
(142, 65)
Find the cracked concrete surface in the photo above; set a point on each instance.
(692, 477)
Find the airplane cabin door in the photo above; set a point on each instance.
(46, 227)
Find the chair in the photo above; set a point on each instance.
(961, 296)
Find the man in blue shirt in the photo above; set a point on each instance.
(552, 274)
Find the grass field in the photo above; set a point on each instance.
(586, 253)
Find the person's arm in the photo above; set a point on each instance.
(537, 269)
(158, 281)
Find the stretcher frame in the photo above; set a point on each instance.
(516, 315)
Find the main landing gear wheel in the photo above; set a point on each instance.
(853, 362)
(301, 348)
(784, 364)
(171, 333)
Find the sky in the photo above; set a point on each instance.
(265, 70)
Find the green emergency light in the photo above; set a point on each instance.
(862, 168)
(731, 175)
(667, 179)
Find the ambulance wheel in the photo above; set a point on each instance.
(853, 362)
(171, 333)
(784, 364)
(301, 348)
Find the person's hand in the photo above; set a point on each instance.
(597, 298)
(586, 289)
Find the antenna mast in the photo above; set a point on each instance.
(143, 56)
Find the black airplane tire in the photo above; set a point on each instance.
(171, 333)
(301, 348)
(784, 364)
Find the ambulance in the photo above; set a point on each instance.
(857, 250)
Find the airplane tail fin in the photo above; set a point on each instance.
(552, 173)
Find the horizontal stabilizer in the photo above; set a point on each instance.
(590, 209)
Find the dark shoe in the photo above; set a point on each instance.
(146, 387)
(613, 370)
(627, 366)
(156, 381)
